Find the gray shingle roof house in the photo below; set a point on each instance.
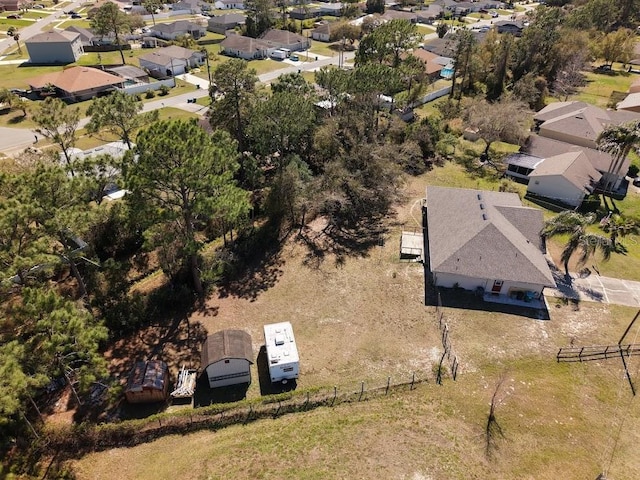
(222, 23)
(486, 241)
(566, 178)
(49, 48)
(286, 39)
(246, 47)
(171, 31)
(578, 125)
(170, 61)
(322, 33)
(87, 37)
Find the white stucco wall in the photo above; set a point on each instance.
(556, 187)
(449, 280)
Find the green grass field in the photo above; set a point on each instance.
(600, 86)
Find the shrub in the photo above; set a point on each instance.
(150, 94)
(164, 90)
(633, 171)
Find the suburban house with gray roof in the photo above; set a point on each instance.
(322, 33)
(246, 47)
(181, 28)
(222, 23)
(486, 242)
(566, 178)
(575, 126)
(51, 48)
(286, 39)
(229, 4)
(170, 61)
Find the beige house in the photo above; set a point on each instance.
(286, 39)
(486, 242)
(322, 33)
(566, 178)
(577, 123)
(52, 48)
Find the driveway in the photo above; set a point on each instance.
(595, 288)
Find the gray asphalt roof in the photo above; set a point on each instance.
(485, 234)
(574, 166)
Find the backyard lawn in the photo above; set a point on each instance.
(600, 86)
(362, 319)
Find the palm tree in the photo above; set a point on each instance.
(618, 140)
(586, 244)
(618, 226)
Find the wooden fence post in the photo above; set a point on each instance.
(361, 390)
(413, 380)
(335, 394)
(388, 384)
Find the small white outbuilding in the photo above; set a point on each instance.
(226, 358)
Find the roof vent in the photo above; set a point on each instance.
(482, 206)
(484, 216)
(479, 197)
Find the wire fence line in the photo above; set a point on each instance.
(446, 344)
(78, 440)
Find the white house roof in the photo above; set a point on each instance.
(484, 234)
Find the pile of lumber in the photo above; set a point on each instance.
(186, 385)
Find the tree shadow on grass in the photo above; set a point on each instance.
(257, 265)
(341, 242)
(17, 119)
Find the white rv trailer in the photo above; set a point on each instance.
(282, 353)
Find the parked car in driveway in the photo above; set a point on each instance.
(13, 17)
(76, 15)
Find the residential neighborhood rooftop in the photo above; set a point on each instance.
(478, 233)
(76, 79)
(573, 166)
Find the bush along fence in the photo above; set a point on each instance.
(76, 440)
(446, 344)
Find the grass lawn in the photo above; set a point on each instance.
(267, 65)
(5, 23)
(170, 113)
(600, 86)
(323, 48)
(425, 30)
(74, 23)
(363, 319)
(36, 15)
(16, 76)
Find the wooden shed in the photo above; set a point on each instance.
(227, 356)
(148, 382)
